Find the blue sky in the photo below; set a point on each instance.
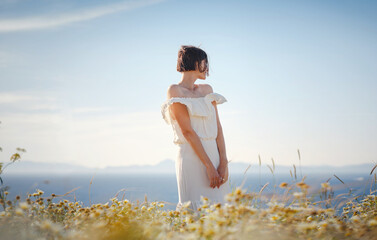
(83, 81)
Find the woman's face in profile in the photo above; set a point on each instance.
(202, 75)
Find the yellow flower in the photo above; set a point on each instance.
(372, 223)
(355, 219)
(298, 194)
(274, 218)
(23, 205)
(46, 224)
(229, 197)
(238, 191)
(19, 211)
(283, 185)
(186, 204)
(302, 185)
(171, 214)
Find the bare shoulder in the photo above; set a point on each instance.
(174, 90)
(206, 88)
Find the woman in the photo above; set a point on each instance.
(191, 109)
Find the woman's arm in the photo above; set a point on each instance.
(223, 166)
(220, 138)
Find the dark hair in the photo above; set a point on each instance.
(188, 56)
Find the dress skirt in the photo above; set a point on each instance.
(192, 178)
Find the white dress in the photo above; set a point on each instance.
(192, 178)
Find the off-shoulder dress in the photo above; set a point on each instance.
(192, 179)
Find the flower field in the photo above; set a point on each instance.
(244, 215)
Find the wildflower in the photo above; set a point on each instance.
(23, 205)
(302, 185)
(298, 194)
(238, 191)
(189, 219)
(371, 196)
(204, 199)
(19, 211)
(323, 224)
(355, 219)
(161, 205)
(39, 192)
(372, 223)
(283, 185)
(46, 224)
(274, 218)
(209, 232)
(6, 192)
(325, 185)
(229, 197)
(186, 204)
(307, 226)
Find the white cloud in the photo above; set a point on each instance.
(9, 98)
(45, 22)
(90, 110)
(27, 101)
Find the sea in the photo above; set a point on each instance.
(100, 188)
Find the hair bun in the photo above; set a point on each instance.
(189, 56)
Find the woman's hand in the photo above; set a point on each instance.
(223, 172)
(213, 176)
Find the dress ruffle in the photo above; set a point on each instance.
(216, 97)
(194, 108)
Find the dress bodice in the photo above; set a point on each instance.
(202, 116)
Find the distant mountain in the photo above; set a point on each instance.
(165, 166)
(168, 166)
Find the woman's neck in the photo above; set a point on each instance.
(188, 81)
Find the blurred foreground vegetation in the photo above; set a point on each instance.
(245, 215)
